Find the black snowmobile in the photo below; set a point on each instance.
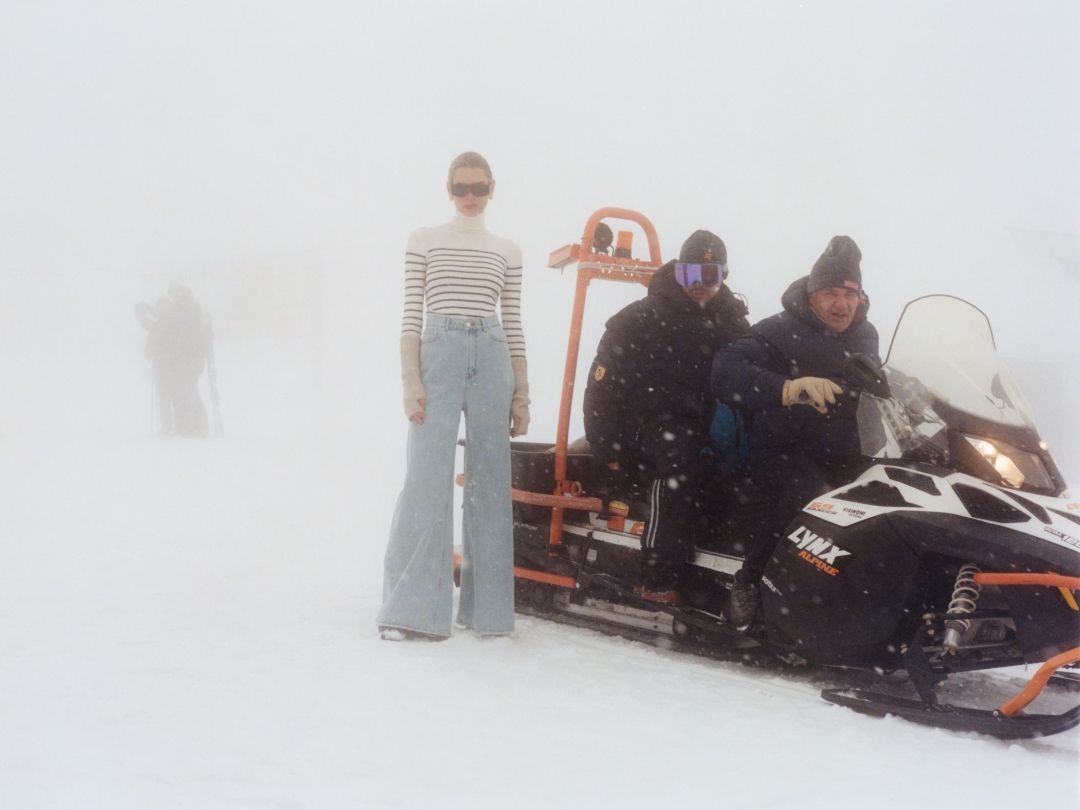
(952, 552)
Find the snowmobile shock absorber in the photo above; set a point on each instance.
(964, 596)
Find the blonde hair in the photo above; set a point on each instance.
(468, 160)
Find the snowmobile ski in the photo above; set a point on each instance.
(954, 718)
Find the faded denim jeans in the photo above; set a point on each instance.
(465, 366)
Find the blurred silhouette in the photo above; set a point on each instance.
(180, 344)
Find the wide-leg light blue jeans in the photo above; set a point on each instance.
(465, 366)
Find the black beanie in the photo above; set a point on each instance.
(838, 266)
(700, 245)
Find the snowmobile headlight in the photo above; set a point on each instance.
(1015, 466)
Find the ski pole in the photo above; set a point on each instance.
(215, 398)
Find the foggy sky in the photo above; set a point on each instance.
(139, 136)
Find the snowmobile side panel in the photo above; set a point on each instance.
(992, 546)
(922, 489)
(837, 595)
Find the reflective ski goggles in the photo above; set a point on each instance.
(708, 274)
(476, 189)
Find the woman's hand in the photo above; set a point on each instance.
(417, 416)
(519, 405)
(519, 420)
(413, 397)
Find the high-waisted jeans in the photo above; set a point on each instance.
(465, 366)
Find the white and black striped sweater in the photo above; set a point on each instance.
(461, 269)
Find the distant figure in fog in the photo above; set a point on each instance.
(179, 340)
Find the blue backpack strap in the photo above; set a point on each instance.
(728, 439)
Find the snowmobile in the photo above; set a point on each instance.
(953, 552)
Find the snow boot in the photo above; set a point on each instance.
(743, 605)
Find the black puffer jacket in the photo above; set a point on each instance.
(652, 364)
(793, 343)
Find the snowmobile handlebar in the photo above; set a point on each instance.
(861, 372)
(867, 374)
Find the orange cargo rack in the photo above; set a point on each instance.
(590, 266)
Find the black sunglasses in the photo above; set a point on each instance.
(476, 189)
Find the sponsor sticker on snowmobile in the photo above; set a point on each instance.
(821, 552)
(768, 584)
(840, 514)
(1072, 541)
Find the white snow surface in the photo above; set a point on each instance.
(190, 624)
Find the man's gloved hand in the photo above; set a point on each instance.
(413, 396)
(815, 391)
(519, 405)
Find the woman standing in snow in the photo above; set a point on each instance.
(461, 359)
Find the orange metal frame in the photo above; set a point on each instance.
(566, 493)
(569, 501)
(1052, 580)
(1011, 708)
(535, 576)
(590, 266)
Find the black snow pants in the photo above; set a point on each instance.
(672, 448)
(790, 477)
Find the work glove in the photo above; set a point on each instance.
(815, 391)
(519, 405)
(413, 396)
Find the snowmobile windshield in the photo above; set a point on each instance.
(944, 346)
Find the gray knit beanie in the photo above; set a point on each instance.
(838, 266)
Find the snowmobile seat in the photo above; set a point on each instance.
(579, 446)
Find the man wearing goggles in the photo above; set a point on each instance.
(647, 404)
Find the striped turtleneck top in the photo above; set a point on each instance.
(463, 270)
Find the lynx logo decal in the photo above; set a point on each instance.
(820, 552)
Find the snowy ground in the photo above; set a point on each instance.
(190, 625)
